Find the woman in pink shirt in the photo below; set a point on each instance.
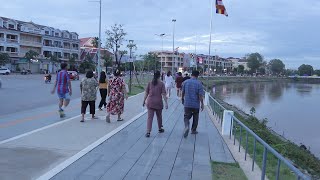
(154, 93)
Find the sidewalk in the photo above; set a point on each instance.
(32, 155)
(128, 154)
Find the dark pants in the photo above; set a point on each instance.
(103, 94)
(188, 113)
(84, 105)
(151, 112)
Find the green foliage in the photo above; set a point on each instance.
(4, 58)
(151, 62)
(95, 42)
(317, 72)
(115, 37)
(241, 69)
(277, 66)
(87, 65)
(224, 171)
(31, 55)
(305, 69)
(254, 61)
(252, 111)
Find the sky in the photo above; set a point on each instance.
(282, 29)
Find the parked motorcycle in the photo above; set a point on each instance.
(47, 78)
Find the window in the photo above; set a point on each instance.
(11, 26)
(47, 32)
(56, 34)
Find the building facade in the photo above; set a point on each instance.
(18, 37)
(168, 59)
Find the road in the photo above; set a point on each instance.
(26, 104)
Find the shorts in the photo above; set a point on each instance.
(65, 96)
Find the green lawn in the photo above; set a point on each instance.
(230, 171)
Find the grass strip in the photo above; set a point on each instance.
(230, 171)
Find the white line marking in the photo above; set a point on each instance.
(83, 152)
(46, 127)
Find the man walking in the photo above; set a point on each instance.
(192, 99)
(63, 86)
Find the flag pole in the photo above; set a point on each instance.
(208, 69)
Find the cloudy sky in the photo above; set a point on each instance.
(288, 30)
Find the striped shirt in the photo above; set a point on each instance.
(62, 82)
(192, 89)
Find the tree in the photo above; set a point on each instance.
(4, 59)
(72, 63)
(115, 37)
(305, 69)
(107, 61)
(317, 72)
(87, 64)
(95, 42)
(254, 61)
(276, 66)
(151, 61)
(54, 59)
(31, 55)
(240, 69)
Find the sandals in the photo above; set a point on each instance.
(120, 119)
(82, 120)
(147, 134)
(161, 130)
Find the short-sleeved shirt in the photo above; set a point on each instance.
(89, 89)
(168, 80)
(192, 89)
(62, 82)
(179, 81)
(154, 95)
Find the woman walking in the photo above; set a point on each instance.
(116, 92)
(168, 79)
(154, 93)
(179, 81)
(88, 89)
(103, 88)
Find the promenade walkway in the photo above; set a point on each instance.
(128, 154)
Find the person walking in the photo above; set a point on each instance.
(154, 93)
(168, 80)
(63, 87)
(179, 81)
(117, 93)
(103, 88)
(192, 99)
(88, 90)
(186, 77)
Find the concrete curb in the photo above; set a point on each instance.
(83, 152)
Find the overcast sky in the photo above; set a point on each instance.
(288, 30)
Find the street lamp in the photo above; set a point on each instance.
(173, 58)
(162, 36)
(99, 41)
(130, 45)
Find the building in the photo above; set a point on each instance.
(239, 61)
(18, 37)
(169, 59)
(213, 64)
(89, 52)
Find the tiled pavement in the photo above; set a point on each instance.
(130, 155)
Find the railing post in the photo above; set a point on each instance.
(206, 98)
(227, 122)
(264, 163)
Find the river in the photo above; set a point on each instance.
(291, 109)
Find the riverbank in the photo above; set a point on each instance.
(300, 157)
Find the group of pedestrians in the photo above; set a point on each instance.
(114, 89)
(190, 90)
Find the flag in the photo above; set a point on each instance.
(220, 9)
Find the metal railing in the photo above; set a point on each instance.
(238, 126)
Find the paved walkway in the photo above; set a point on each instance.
(128, 154)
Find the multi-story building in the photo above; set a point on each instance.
(239, 61)
(168, 59)
(18, 37)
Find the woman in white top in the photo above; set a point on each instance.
(169, 82)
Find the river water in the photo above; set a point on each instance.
(291, 109)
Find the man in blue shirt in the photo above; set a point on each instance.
(192, 99)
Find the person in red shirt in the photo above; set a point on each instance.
(179, 81)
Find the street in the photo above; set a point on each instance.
(26, 104)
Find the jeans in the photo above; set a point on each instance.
(103, 94)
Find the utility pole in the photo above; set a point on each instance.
(173, 55)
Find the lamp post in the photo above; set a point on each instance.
(99, 41)
(130, 45)
(162, 36)
(173, 57)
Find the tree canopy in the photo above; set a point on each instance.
(305, 69)
(254, 61)
(276, 66)
(4, 58)
(31, 55)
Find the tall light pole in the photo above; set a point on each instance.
(130, 45)
(99, 41)
(162, 36)
(173, 57)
